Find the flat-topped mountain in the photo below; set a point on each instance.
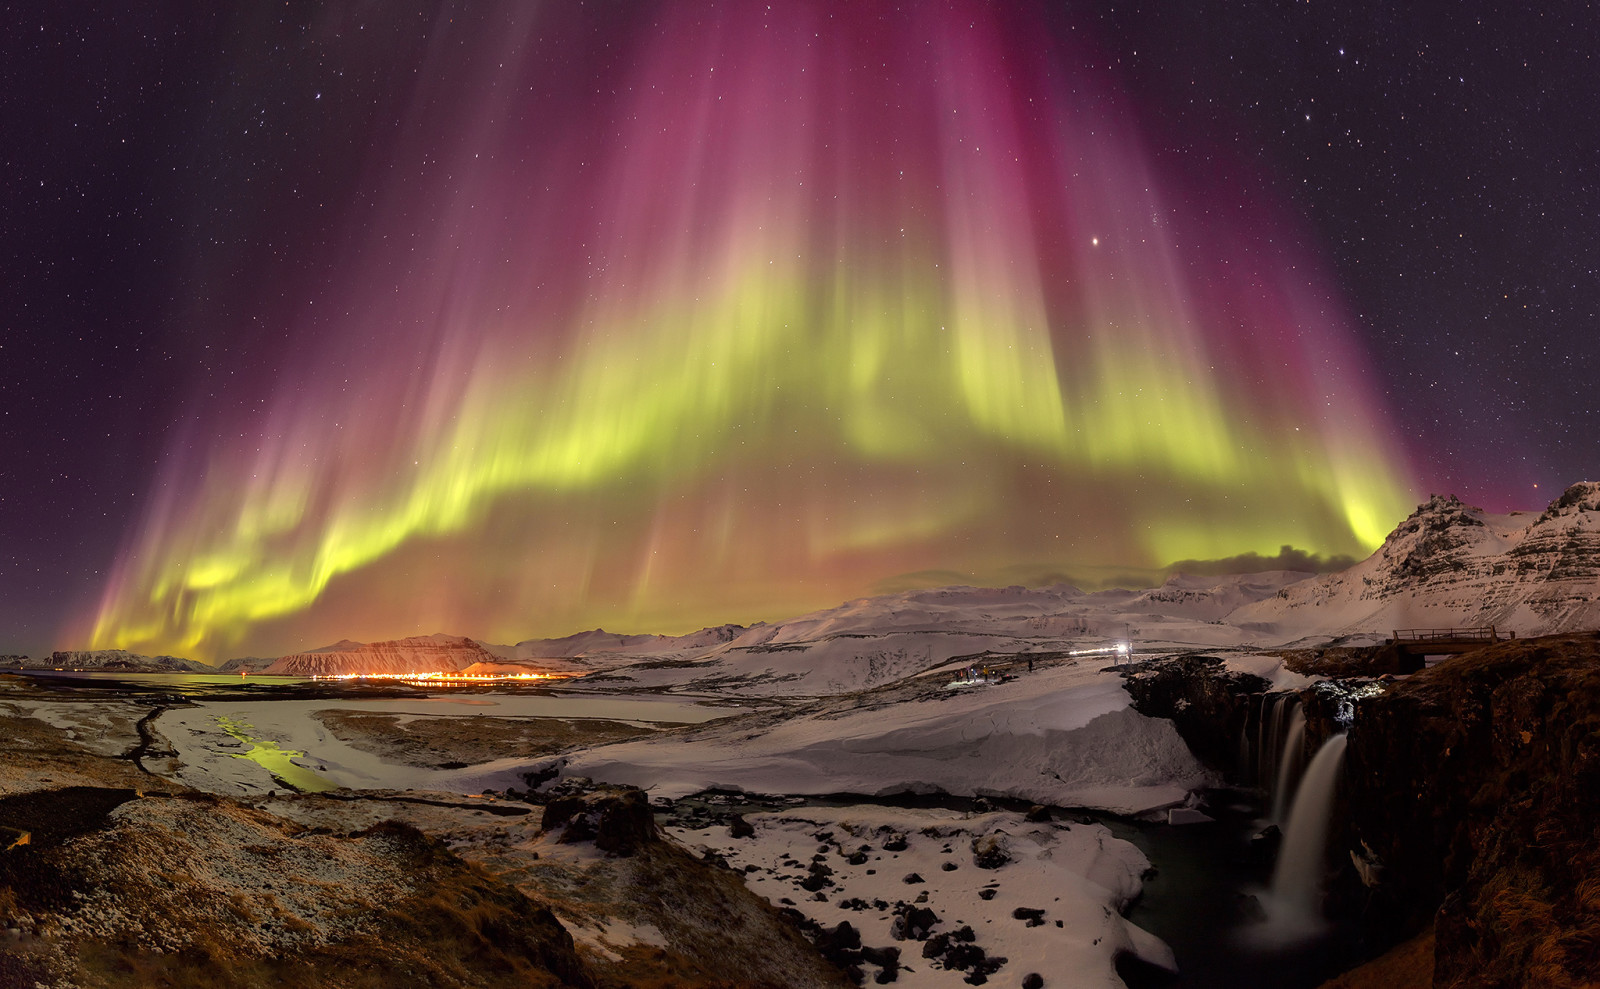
(415, 654)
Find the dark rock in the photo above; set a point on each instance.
(1205, 701)
(1034, 916)
(986, 894)
(895, 843)
(963, 933)
(961, 956)
(1265, 843)
(911, 878)
(913, 922)
(948, 866)
(1037, 814)
(1033, 980)
(738, 827)
(990, 852)
(882, 956)
(840, 945)
(619, 822)
(857, 858)
(1473, 788)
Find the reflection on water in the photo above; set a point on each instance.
(274, 759)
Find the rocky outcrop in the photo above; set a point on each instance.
(617, 821)
(1474, 795)
(1205, 700)
(1352, 661)
(417, 654)
(190, 889)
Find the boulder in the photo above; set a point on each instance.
(990, 851)
(617, 821)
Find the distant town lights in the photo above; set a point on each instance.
(439, 676)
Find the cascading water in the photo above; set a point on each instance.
(1293, 905)
(1278, 756)
(1289, 763)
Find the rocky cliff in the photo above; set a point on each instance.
(1451, 565)
(1474, 799)
(417, 654)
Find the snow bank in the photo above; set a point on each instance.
(1064, 737)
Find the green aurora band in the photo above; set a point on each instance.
(814, 303)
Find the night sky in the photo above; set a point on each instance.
(375, 319)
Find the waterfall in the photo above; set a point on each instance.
(1278, 757)
(1294, 907)
(1289, 764)
(1263, 753)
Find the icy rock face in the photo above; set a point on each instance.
(1436, 540)
(1450, 564)
(418, 654)
(1563, 544)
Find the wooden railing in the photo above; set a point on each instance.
(1486, 633)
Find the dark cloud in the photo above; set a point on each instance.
(1288, 558)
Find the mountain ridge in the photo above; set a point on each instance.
(1448, 564)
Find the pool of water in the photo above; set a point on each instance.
(1200, 901)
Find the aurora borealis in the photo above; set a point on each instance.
(678, 314)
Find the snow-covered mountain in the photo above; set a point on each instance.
(872, 641)
(417, 654)
(1451, 565)
(110, 661)
(598, 642)
(1446, 565)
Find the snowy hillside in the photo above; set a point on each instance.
(1065, 736)
(871, 641)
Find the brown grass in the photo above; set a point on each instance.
(1408, 965)
(469, 740)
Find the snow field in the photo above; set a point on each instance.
(1079, 876)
